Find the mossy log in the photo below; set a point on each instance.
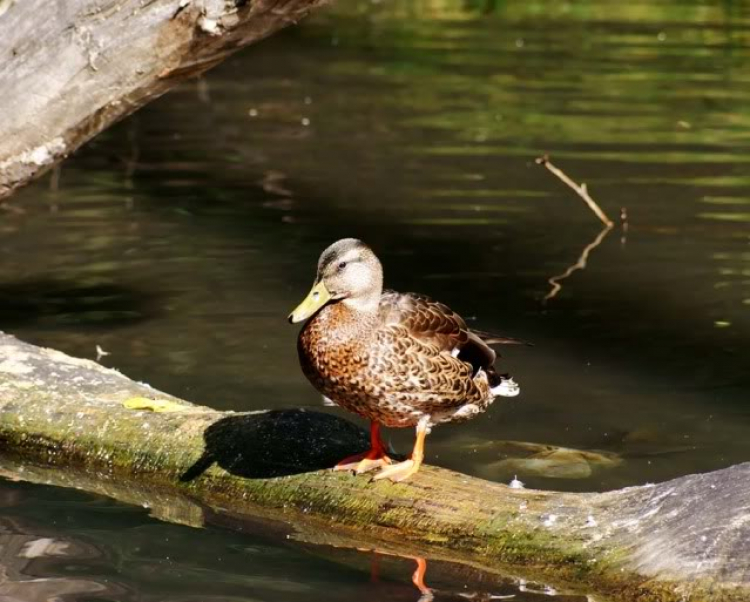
(63, 421)
(70, 69)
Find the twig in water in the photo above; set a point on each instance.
(580, 190)
(578, 265)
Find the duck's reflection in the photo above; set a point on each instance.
(418, 580)
(476, 585)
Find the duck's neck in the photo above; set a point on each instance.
(366, 305)
(352, 318)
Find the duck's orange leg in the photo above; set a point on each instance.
(403, 470)
(369, 460)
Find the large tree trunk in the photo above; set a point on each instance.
(70, 68)
(63, 421)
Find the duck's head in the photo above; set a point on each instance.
(349, 272)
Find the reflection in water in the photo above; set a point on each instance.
(466, 585)
(147, 560)
(418, 577)
(29, 558)
(418, 580)
(176, 241)
(582, 191)
(555, 281)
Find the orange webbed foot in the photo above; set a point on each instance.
(403, 470)
(362, 463)
(374, 458)
(399, 471)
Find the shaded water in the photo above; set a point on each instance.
(179, 240)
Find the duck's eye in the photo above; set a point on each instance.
(342, 265)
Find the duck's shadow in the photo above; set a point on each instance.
(278, 443)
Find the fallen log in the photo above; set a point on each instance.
(70, 69)
(74, 423)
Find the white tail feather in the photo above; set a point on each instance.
(507, 388)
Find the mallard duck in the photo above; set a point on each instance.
(396, 359)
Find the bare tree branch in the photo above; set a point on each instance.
(580, 190)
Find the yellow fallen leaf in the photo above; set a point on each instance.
(154, 405)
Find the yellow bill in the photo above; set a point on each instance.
(315, 299)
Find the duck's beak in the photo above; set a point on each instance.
(315, 299)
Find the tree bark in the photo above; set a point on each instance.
(63, 421)
(71, 68)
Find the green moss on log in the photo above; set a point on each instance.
(65, 420)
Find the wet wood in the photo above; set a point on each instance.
(70, 69)
(64, 421)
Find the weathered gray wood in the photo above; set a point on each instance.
(70, 68)
(62, 421)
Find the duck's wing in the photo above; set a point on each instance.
(433, 322)
(425, 319)
(414, 374)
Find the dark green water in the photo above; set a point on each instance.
(179, 240)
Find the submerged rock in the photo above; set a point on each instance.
(550, 461)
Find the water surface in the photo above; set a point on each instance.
(179, 240)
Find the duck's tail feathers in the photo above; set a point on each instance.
(503, 385)
(495, 339)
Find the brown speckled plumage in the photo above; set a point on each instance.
(401, 358)
(388, 372)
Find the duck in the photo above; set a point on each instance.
(396, 359)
